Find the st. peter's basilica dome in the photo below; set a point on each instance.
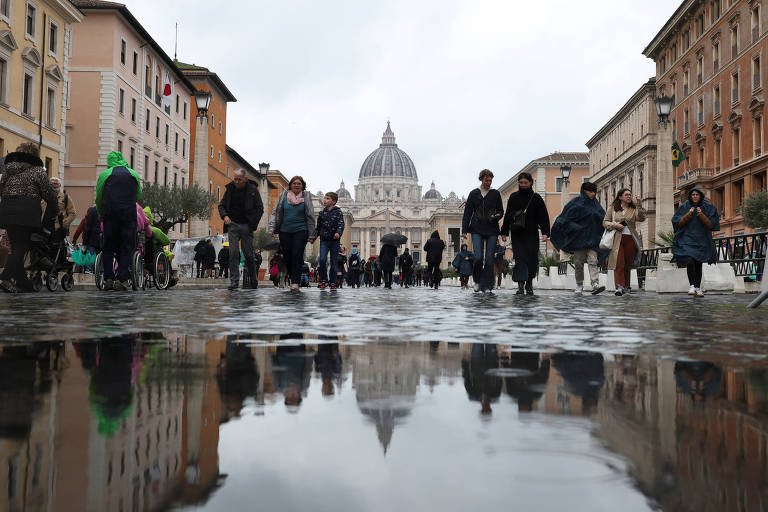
(388, 160)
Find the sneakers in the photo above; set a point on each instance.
(692, 291)
(477, 287)
(699, 292)
(294, 287)
(108, 284)
(596, 288)
(529, 291)
(619, 291)
(8, 286)
(323, 285)
(118, 286)
(333, 286)
(579, 290)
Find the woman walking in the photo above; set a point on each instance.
(22, 186)
(293, 220)
(434, 249)
(694, 223)
(387, 258)
(464, 262)
(623, 216)
(526, 215)
(482, 213)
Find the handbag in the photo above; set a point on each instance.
(606, 241)
(519, 218)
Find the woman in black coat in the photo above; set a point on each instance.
(525, 242)
(387, 258)
(434, 249)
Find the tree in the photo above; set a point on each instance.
(176, 205)
(756, 209)
(260, 239)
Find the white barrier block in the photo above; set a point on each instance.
(739, 286)
(674, 280)
(634, 283)
(558, 283)
(719, 277)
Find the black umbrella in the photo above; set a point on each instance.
(394, 239)
(272, 245)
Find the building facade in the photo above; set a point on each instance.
(217, 169)
(623, 154)
(35, 47)
(118, 72)
(548, 183)
(711, 57)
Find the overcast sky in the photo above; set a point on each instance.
(466, 84)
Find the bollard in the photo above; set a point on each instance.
(763, 289)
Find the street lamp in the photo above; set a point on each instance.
(264, 168)
(202, 101)
(664, 108)
(565, 172)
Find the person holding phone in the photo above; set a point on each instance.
(482, 213)
(694, 223)
(622, 217)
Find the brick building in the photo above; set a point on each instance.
(711, 56)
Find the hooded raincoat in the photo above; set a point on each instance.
(434, 248)
(463, 265)
(693, 233)
(579, 226)
(121, 195)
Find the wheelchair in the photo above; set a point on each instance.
(158, 274)
(49, 254)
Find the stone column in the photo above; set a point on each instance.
(665, 181)
(200, 227)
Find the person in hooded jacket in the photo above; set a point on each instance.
(355, 264)
(525, 241)
(578, 230)
(434, 249)
(694, 223)
(223, 258)
(464, 263)
(199, 257)
(368, 269)
(406, 267)
(22, 186)
(482, 213)
(387, 258)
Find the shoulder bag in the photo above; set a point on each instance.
(606, 241)
(519, 217)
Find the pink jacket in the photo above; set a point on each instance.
(142, 222)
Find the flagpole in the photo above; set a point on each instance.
(176, 43)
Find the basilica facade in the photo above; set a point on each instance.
(388, 199)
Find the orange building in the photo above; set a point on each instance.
(280, 183)
(218, 167)
(710, 57)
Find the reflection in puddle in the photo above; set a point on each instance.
(150, 422)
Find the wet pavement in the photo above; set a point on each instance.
(379, 400)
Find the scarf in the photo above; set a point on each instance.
(294, 199)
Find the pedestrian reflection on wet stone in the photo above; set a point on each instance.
(328, 365)
(583, 374)
(291, 371)
(237, 376)
(482, 386)
(528, 374)
(698, 379)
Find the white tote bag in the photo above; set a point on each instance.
(606, 241)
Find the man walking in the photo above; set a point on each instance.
(118, 189)
(406, 266)
(241, 209)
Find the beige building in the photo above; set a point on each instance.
(623, 154)
(548, 183)
(35, 40)
(117, 72)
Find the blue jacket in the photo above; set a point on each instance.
(693, 239)
(330, 222)
(579, 226)
(464, 266)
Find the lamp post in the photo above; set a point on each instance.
(565, 174)
(199, 168)
(665, 175)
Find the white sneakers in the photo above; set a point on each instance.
(699, 292)
(692, 290)
(695, 292)
(294, 287)
(477, 287)
(579, 290)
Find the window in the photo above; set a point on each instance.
(165, 176)
(210, 187)
(123, 50)
(558, 184)
(757, 136)
(120, 145)
(686, 82)
(211, 150)
(26, 95)
(756, 73)
(50, 108)
(177, 103)
(183, 182)
(699, 25)
(218, 192)
(716, 57)
(183, 147)
(686, 40)
(663, 65)
(5, 8)
(185, 110)
(718, 154)
(146, 166)
(755, 23)
(31, 21)
(734, 41)
(220, 126)
(132, 158)
(213, 122)
(700, 111)
(135, 66)
(133, 110)
(674, 52)
(176, 142)
(157, 127)
(167, 134)
(736, 146)
(175, 179)
(715, 9)
(157, 171)
(735, 88)
(685, 122)
(53, 38)
(146, 122)
(716, 100)
(220, 162)
(148, 78)
(3, 81)
(121, 101)
(699, 71)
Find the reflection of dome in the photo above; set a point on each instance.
(388, 160)
(432, 193)
(343, 192)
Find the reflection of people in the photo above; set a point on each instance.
(328, 364)
(291, 373)
(19, 366)
(238, 377)
(698, 379)
(527, 386)
(583, 373)
(480, 386)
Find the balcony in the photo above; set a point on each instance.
(698, 175)
(739, 209)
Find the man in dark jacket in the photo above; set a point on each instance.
(482, 213)
(224, 261)
(578, 230)
(406, 266)
(386, 263)
(199, 257)
(241, 209)
(118, 189)
(434, 249)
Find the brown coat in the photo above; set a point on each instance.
(66, 212)
(632, 216)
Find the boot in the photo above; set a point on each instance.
(529, 287)
(520, 288)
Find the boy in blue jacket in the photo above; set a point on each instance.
(330, 226)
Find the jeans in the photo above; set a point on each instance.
(292, 245)
(240, 237)
(588, 256)
(483, 271)
(331, 246)
(120, 241)
(19, 238)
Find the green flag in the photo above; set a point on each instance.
(677, 155)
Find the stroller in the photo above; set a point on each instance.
(50, 253)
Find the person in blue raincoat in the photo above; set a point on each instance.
(694, 223)
(577, 230)
(464, 263)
